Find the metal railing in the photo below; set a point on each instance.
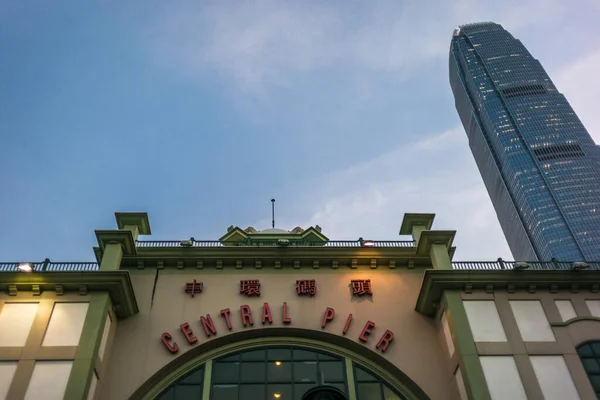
(502, 264)
(51, 266)
(272, 243)
(457, 265)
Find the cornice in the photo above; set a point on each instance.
(435, 282)
(116, 283)
(275, 257)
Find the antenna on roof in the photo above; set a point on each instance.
(273, 213)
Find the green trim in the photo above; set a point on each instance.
(124, 238)
(573, 320)
(464, 343)
(319, 341)
(411, 220)
(436, 282)
(350, 379)
(207, 379)
(116, 283)
(429, 238)
(87, 350)
(139, 219)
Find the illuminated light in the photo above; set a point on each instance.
(278, 363)
(277, 395)
(366, 243)
(25, 267)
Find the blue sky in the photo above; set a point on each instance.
(200, 112)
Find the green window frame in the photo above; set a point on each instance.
(589, 353)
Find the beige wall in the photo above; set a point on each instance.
(137, 351)
(563, 339)
(38, 342)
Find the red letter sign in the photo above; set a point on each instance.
(246, 315)
(286, 319)
(225, 313)
(328, 316)
(266, 316)
(366, 330)
(173, 348)
(189, 335)
(208, 325)
(385, 340)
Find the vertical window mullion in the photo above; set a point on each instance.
(351, 383)
(207, 385)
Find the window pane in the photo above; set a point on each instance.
(596, 347)
(168, 395)
(300, 389)
(363, 376)
(585, 351)
(389, 394)
(226, 372)
(251, 392)
(195, 377)
(285, 391)
(305, 371)
(341, 386)
(190, 392)
(253, 372)
(279, 373)
(369, 391)
(279, 355)
(221, 392)
(591, 366)
(255, 355)
(327, 357)
(301, 355)
(235, 357)
(332, 371)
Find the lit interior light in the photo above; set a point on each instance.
(278, 363)
(277, 395)
(368, 243)
(25, 267)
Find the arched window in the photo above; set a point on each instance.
(276, 372)
(590, 357)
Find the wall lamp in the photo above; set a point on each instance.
(25, 267)
(366, 243)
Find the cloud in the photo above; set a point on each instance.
(267, 43)
(435, 175)
(581, 88)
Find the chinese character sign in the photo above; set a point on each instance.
(250, 287)
(193, 287)
(306, 287)
(361, 287)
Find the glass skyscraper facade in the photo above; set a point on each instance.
(540, 166)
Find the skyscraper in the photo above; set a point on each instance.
(540, 166)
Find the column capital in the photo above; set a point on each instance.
(137, 219)
(415, 224)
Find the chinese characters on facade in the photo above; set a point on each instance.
(305, 287)
(193, 288)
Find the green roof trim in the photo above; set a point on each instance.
(139, 219)
(124, 238)
(411, 220)
(116, 283)
(436, 282)
(429, 238)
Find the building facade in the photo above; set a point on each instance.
(540, 166)
(272, 314)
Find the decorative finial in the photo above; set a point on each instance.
(273, 213)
